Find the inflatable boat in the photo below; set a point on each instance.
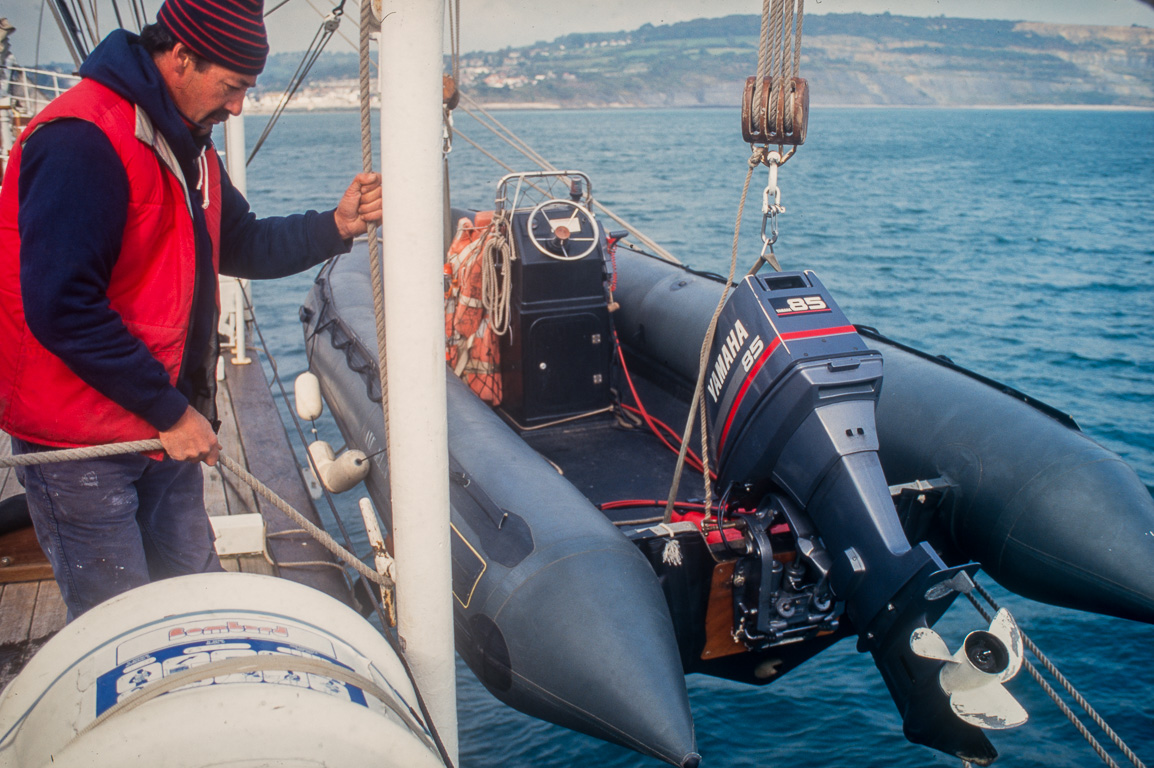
(860, 484)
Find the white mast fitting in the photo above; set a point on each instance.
(411, 63)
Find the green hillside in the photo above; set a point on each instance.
(847, 58)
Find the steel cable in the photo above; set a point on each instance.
(1069, 688)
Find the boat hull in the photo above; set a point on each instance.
(1049, 513)
(555, 611)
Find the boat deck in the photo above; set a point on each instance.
(611, 461)
(31, 609)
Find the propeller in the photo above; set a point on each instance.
(973, 677)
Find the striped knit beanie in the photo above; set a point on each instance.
(226, 32)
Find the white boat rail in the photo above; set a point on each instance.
(23, 93)
(30, 90)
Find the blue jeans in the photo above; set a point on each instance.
(108, 525)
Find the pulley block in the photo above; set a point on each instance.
(780, 114)
(450, 95)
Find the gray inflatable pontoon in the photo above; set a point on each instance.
(572, 603)
(556, 612)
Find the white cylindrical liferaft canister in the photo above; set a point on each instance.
(211, 670)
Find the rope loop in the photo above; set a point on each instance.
(496, 269)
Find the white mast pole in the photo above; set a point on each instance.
(233, 290)
(412, 243)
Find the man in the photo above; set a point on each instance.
(115, 217)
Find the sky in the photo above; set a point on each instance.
(493, 24)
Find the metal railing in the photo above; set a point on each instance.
(30, 90)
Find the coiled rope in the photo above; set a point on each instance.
(496, 271)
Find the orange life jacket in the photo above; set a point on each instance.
(472, 349)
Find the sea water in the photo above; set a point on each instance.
(1020, 243)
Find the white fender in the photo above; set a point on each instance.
(307, 389)
(338, 473)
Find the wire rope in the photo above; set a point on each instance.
(1080, 700)
(323, 34)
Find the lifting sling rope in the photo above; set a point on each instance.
(764, 119)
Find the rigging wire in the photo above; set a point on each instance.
(486, 119)
(73, 35)
(324, 33)
(39, 32)
(140, 12)
(78, 10)
(94, 11)
(116, 12)
(1067, 685)
(319, 12)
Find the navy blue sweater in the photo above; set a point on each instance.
(73, 208)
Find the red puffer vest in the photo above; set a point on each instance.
(151, 285)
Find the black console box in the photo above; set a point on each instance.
(555, 359)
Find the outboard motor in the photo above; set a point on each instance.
(790, 395)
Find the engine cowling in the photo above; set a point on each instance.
(790, 396)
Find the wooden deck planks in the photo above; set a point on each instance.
(17, 602)
(9, 485)
(270, 458)
(50, 612)
(228, 495)
(21, 558)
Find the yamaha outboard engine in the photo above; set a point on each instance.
(790, 395)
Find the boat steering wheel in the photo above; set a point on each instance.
(555, 227)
